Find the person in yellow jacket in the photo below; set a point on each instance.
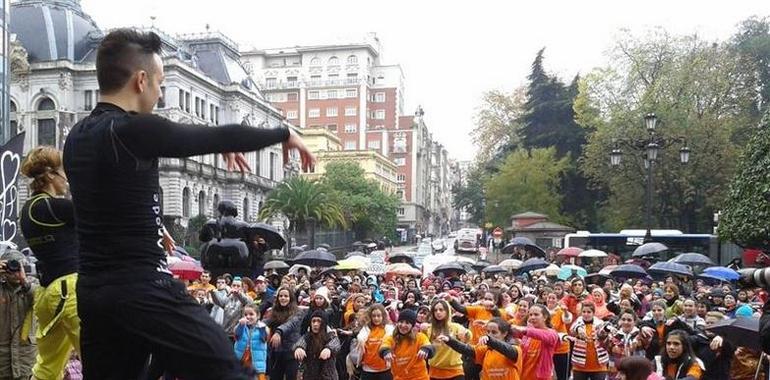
(446, 363)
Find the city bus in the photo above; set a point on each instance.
(624, 243)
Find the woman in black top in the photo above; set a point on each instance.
(48, 224)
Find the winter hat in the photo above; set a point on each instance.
(323, 292)
(320, 314)
(744, 311)
(408, 315)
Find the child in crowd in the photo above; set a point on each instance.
(251, 341)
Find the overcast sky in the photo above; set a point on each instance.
(451, 52)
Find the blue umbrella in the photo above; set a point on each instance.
(710, 279)
(567, 271)
(628, 271)
(726, 274)
(666, 268)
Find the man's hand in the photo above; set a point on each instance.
(306, 157)
(236, 160)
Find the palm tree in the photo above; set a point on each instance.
(300, 199)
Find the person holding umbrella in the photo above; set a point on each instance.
(713, 349)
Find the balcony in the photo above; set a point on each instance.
(333, 82)
(280, 85)
(206, 171)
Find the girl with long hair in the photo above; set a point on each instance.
(446, 363)
(499, 360)
(624, 341)
(281, 359)
(369, 340)
(677, 360)
(538, 343)
(406, 350)
(317, 349)
(561, 319)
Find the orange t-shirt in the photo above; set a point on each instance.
(405, 364)
(516, 321)
(693, 371)
(529, 365)
(560, 327)
(478, 313)
(495, 366)
(371, 358)
(592, 360)
(661, 329)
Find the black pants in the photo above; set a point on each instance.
(282, 366)
(384, 375)
(561, 366)
(589, 375)
(470, 368)
(121, 325)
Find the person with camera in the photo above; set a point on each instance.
(232, 303)
(47, 221)
(17, 348)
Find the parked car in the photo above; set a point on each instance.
(466, 243)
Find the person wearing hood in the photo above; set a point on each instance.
(599, 298)
(446, 363)
(673, 302)
(317, 349)
(406, 349)
(576, 295)
(300, 322)
(713, 349)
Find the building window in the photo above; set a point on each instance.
(315, 61)
(351, 93)
(334, 61)
(187, 102)
(331, 111)
(215, 203)
(46, 132)
(186, 202)
(315, 79)
(352, 60)
(400, 194)
(379, 97)
(312, 95)
(401, 211)
(350, 145)
(292, 97)
(272, 165)
(197, 106)
(292, 81)
(331, 94)
(181, 100)
(333, 77)
(379, 114)
(270, 82)
(350, 111)
(401, 161)
(246, 210)
(211, 113)
(291, 114)
(162, 100)
(350, 128)
(46, 104)
(89, 100)
(332, 128)
(374, 144)
(314, 112)
(202, 203)
(401, 178)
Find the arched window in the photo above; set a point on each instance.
(13, 106)
(216, 204)
(202, 203)
(186, 202)
(315, 62)
(352, 60)
(46, 104)
(334, 61)
(246, 211)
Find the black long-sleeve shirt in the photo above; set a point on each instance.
(48, 225)
(111, 160)
(466, 349)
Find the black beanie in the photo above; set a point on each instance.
(407, 315)
(319, 314)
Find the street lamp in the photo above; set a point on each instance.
(650, 148)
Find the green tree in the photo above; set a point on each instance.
(697, 90)
(752, 43)
(527, 181)
(746, 210)
(469, 194)
(299, 199)
(497, 124)
(371, 211)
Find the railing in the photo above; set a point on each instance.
(210, 172)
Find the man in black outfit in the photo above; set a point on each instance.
(129, 304)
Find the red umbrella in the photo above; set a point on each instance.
(569, 252)
(186, 270)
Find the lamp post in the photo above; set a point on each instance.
(650, 148)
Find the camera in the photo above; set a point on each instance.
(754, 278)
(13, 266)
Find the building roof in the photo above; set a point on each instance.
(528, 215)
(54, 29)
(542, 226)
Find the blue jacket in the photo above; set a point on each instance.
(257, 337)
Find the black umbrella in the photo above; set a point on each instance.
(271, 235)
(597, 278)
(316, 258)
(401, 258)
(481, 264)
(532, 248)
(667, 268)
(296, 250)
(324, 246)
(649, 249)
(739, 331)
(276, 264)
(534, 263)
(493, 269)
(358, 244)
(628, 271)
(450, 267)
(693, 259)
(354, 253)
